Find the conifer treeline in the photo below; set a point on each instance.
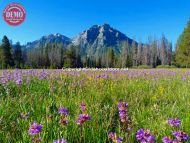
(155, 52)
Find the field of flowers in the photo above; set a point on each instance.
(95, 106)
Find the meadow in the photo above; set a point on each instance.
(95, 106)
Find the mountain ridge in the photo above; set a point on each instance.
(49, 39)
(94, 40)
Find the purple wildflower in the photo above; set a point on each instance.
(43, 75)
(3, 80)
(63, 110)
(63, 121)
(18, 81)
(181, 136)
(167, 140)
(174, 122)
(36, 140)
(123, 114)
(122, 105)
(114, 137)
(144, 136)
(111, 135)
(60, 141)
(83, 107)
(35, 128)
(82, 118)
(119, 140)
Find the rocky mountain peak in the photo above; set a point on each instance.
(100, 35)
(49, 39)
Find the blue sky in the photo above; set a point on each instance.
(138, 19)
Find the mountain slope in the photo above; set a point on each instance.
(92, 42)
(52, 38)
(98, 38)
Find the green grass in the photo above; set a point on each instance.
(151, 103)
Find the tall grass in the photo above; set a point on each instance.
(152, 101)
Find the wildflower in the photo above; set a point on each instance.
(63, 110)
(3, 80)
(83, 107)
(18, 81)
(174, 122)
(36, 140)
(82, 118)
(122, 107)
(43, 75)
(111, 135)
(123, 115)
(119, 140)
(63, 121)
(181, 136)
(168, 140)
(144, 136)
(35, 128)
(114, 137)
(60, 141)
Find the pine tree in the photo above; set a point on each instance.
(1, 57)
(126, 55)
(78, 62)
(70, 58)
(99, 62)
(170, 54)
(47, 61)
(18, 55)
(139, 54)
(183, 48)
(7, 59)
(110, 58)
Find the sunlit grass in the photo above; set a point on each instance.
(152, 101)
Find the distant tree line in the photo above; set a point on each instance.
(154, 53)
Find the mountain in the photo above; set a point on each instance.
(52, 38)
(98, 38)
(93, 41)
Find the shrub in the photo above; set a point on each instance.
(144, 67)
(165, 66)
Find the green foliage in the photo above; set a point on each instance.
(7, 59)
(1, 57)
(110, 58)
(151, 103)
(55, 55)
(18, 58)
(183, 48)
(47, 60)
(126, 59)
(72, 58)
(144, 67)
(165, 66)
